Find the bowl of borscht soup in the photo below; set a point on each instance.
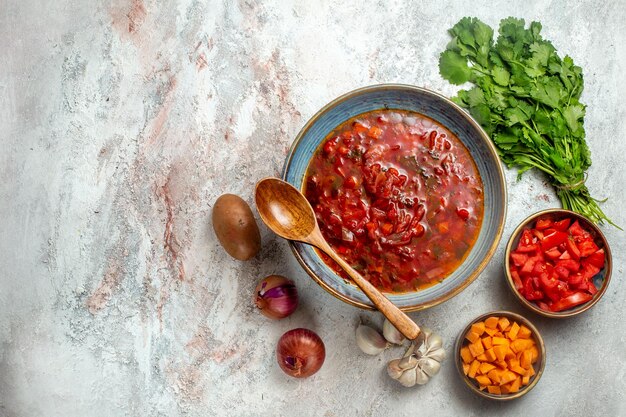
(406, 187)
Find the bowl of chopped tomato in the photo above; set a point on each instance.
(558, 263)
(500, 355)
(406, 187)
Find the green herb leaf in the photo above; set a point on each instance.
(453, 67)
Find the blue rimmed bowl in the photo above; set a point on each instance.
(445, 112)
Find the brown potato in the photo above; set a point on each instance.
(235, 227)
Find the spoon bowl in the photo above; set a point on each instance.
(287, 212)
(290, 214)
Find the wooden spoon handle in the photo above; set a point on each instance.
(397, 317)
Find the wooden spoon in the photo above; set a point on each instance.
(287, 213)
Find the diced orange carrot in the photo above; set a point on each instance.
(526, 359)
(515, 385)
(478, 328)
(524, 332)
(473, 369)
(501, 364)
(509, 354)
(494, 389)
(491, 322)
(507, 376)
(525, 380)
(476, 348)
(534, 354)
(530, 371)
(472, 336)
(490, 354)
(466, 355)
(500, 352)
(483, 380)
(514, 331)
(504, 389)
(518, 370)
(495, 375)
(503, 323)
(482, 357)
(487, 342)
(499, 341)
(375, 132)
(512, 362)
(485, 367)
(519, 345)
(490, 332)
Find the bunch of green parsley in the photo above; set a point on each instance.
(527, 99)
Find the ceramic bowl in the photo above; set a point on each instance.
(538, 366)
(445, 112)
(601, 280)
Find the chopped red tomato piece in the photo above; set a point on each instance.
(587, 247)
(528, 266)
(573, 300)
(565, 255)
(596, 259)
(561, 225)
(561, 271)
(553, 239)
(553, 253)
(570, 264)
(519, 259)
(591, 288)
(543, 224)
(575, 229)
(589, 271)
(573, 249)
(516, 280)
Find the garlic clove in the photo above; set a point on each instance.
(434, 342)
(430, 366)
(391, 333)
(408, 362)
(438, 354)
(393, 369)
(421, 377)
(369, 340)
(408, 378)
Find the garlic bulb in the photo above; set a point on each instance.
(420, 362)
(392, 334)
(369, 340)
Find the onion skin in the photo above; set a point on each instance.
(276, 297)
(300, 353)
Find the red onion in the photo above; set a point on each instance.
(276, 297)
(300, 353)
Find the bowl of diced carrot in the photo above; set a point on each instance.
(500, 355)
(558, 263)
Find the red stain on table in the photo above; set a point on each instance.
(111, 280)
(127, 18)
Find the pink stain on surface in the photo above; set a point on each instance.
(128, 17)
(158, 122)
(171, 246)
(171, 249)
(136, 15)
(102, 294)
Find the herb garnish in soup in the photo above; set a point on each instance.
(397, 196)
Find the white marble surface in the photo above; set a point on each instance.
(121, 122)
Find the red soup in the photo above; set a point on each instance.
(398, 196)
